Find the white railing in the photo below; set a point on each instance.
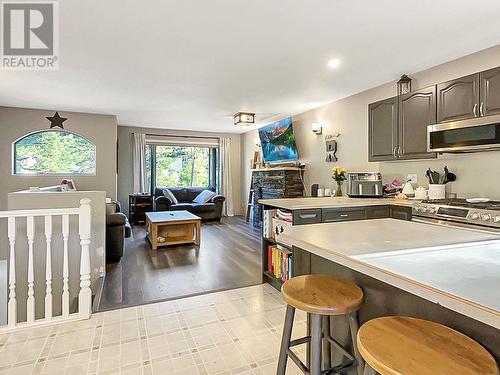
(85, 294)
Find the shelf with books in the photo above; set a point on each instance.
(279, 262)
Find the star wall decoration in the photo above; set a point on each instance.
(56, 121)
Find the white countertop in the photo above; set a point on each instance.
(332, 202)
(457, 268)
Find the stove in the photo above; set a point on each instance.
(460, 211)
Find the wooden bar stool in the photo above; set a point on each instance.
(410, 346)
(321, 296)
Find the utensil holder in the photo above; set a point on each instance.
(437, 191)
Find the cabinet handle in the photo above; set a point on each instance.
(481, 109)
(344, 215)
(399, 152)
(307, 216)
(394, 152)
(474, 110)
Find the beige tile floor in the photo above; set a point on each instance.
(231, 332)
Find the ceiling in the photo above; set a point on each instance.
(192, 64)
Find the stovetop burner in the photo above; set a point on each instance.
(457, 202)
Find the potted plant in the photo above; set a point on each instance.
(339, 175)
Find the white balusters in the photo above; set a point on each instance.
(30, 303)
(65, 294)
(12, 305)
(85, 295)
(48, 268)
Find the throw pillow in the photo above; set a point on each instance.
(170, 196)
(204, 197)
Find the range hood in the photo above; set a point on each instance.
(471, 135)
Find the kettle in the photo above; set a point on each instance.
(408, 190)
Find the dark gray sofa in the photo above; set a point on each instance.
(207, 211)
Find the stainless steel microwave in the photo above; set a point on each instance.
(477, 134)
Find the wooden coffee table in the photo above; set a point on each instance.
(176, 227)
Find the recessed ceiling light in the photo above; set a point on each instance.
(334, 63)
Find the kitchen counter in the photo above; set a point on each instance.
(456, 268)
(334, 202)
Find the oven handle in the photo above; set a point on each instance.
(456, 224)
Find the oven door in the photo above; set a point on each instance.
(477, 134)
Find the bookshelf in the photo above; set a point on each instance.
(277, 260)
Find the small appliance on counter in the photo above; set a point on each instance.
(364, 184)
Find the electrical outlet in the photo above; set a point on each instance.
(412, 178)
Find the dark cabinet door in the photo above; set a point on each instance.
(382, 130)
(417, 110)
(303, 217)
(343, 214)
(458, 99)
(401, 213)
(490, 92)
(377, 212)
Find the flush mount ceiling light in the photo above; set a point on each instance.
(244, 118)
(334, 63)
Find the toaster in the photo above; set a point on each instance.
(364, 184)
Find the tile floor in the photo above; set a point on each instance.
(231, 332)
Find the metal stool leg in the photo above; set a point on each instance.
(316, 334)
(308, 344)
(354, 326)
(369, 370)
(285, 340)
(326, 344)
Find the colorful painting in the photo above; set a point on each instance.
(278, 142)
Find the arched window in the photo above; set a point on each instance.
(54, 152)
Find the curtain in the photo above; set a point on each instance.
(139, 163)
(225, 173)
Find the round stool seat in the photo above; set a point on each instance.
(402, 345)
(322, 294)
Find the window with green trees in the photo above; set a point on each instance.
(54, 152)
(181, 166)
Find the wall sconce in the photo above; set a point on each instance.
(317, 128)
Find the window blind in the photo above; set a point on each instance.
(168, 140)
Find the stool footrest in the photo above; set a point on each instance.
(332, 370)
(302, 340)
(339, 346)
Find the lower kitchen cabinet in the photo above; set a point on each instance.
(401, 213)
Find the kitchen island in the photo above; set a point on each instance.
(447, 275)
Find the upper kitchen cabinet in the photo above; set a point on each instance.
(382, 129)
(458, 99)
(490, 92)
(417, 110)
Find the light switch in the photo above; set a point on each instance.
(412, 178)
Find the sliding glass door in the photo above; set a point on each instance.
(181, 166)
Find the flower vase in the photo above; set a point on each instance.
(338, 192)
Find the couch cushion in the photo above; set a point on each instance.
(205, 207)
(170, 195)
(204, 197)
(181, 207)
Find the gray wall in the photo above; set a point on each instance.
(125, 170)
(100, 129)
(477, 173)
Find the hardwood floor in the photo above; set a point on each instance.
(229, 257)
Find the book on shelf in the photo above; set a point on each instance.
(279, 262)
